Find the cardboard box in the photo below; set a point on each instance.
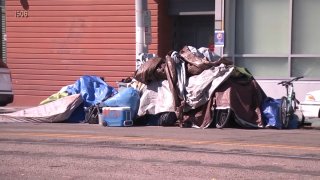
(117, 116)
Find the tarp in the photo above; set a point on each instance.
(56, 111)
(156, 98)
(200, 87)
(245, 97)
(270, 112)
(92, 89)
(207, 84)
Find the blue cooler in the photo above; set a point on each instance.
(117, 116)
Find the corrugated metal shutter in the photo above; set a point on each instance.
(161, 27)
(3, 32)
(62, 40)
(191, 7)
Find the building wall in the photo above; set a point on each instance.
(162, 27)
(275, 40)
(51, 44)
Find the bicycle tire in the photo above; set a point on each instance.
(284, 117)
(222, 118)
(295, 103)
(294, 106)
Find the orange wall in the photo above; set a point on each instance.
(162, 27)
(62, 40)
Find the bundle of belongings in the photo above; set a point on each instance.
(80, 102)
(68, 104)
(188, 87)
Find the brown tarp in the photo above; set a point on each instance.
(229, 86)
(152, 70)
(244, 98)
(197, 64)
(239, 92)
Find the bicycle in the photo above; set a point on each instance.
(222, 117)
(288, 104)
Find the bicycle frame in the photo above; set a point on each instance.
(288, 103)
(291, 98)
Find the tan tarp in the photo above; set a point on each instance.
(56, 111)
(156, 98)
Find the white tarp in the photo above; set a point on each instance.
(156, 98)
(200, 87)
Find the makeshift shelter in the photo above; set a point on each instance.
(190, 85)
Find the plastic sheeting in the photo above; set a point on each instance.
(54, 97)
(201, 87)
(92, 89)
(156, 98)
(181, 74)
(204, 51)
(270, 109)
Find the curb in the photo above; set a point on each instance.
(7, 109)
(313, 123)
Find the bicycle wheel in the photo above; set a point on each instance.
(222, 118)
(284, 117)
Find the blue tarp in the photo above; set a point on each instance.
(270, 113)
(92, 89)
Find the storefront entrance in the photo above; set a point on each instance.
(196, 30)
(193, 22)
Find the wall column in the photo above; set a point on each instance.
(219, 22)
(140, 8)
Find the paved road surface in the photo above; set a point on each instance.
(83, 151)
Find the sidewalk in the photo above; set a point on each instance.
(312, 123)
(9, 109)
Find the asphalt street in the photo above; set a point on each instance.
(86, 151)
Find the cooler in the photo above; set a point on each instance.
(117, 116)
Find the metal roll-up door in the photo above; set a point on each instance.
(3, 31)
(191, 7)
(193, 22)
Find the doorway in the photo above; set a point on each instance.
(195, 30)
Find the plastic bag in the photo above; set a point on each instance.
(129, 97)
(271, 114)
(91, 114)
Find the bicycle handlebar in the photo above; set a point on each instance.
(288, 82)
